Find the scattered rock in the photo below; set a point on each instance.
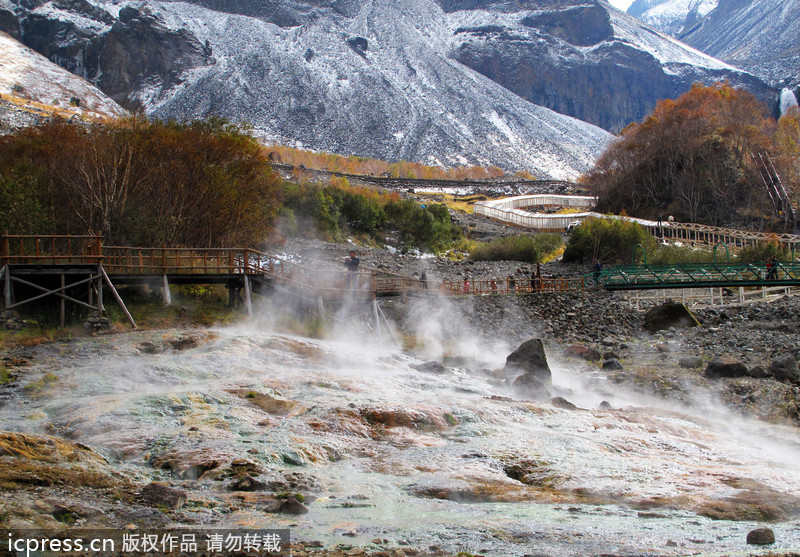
(583, 352)
(431, 367)
(758, 372)
(761, 536)
(97, 323)
(690, 362)
(184, 342)
(247, 483)
(150, 347)
(725, 366)
(293, 458)
(605, 405)
(669, 314)
(784, 368)
(292, 506)
(270, 404)
(158, 494)
(415, 418)
(560, 402)
(532, 386)
(612, 364)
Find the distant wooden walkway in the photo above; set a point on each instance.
(511, 210)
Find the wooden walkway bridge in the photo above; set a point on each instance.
(77, 268)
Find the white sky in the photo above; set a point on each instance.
(621, 4)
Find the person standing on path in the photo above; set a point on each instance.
(352, 264)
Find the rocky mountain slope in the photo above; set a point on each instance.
(33, 88)
(587, 60)
(758, 35)
(672, 17)
(446, 81)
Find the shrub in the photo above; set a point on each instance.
(607, 240)
(763, 253)
(339, 208)
(531, 249)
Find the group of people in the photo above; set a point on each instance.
(511, 281)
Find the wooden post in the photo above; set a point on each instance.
(4, 251)
(117, 297)
(100, 308)
(165, 293)
(247, 297)
(62, 308)
(2, 275)
(7, 287)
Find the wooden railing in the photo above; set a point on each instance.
(50, 249)
(130, 260)
(517, 286)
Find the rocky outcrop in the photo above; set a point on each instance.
(36, 90)
(673, 17)
(784, 368)
(725, 367)
(126, 56)
(669, 314)
(529, 361)
(543, 58)
(757, 35)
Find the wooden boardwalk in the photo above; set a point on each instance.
(56, 265)
(77, 269)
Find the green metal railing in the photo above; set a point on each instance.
(633, 277)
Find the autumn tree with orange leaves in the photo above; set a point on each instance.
(692, 158)
(137, 182)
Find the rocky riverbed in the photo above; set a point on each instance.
(418, 437)
(349, 442)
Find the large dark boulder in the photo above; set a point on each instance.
(725, 366)
(530, 360)
(784, 368)
(761, 536)
(669, 314)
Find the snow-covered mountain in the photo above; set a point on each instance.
(761, 36)
(586, 59)
(32, 87)
(672, 17)
(440, 81)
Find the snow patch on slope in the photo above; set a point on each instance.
(664, 48)
(402, 98)
(27, 74)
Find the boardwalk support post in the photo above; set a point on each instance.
(117, 297)
(3, 276)
(7, 287)
(166, 295)
(100, 307)
(62, 308)
(247, 296)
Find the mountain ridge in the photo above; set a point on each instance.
(444, 82)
